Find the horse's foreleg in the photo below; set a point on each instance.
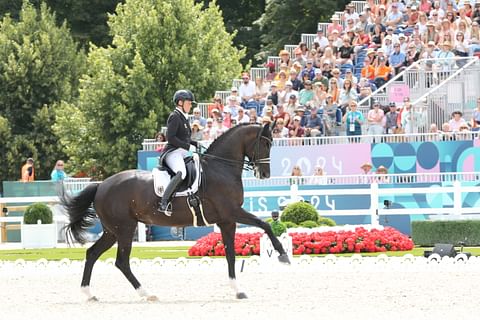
(105, 242)
(228, 236)
(246, 217)
(122, 262)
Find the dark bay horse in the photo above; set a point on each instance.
(128, 197)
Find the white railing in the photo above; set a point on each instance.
(152, 144)
(223, 95)
(359, 5)
(403, 178)
(236, 83)
(323, 26)
(203, 106)
(294, 194)
(308, 39)
(258, 73)
(291, 49)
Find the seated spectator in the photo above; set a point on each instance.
(445, 56)
(300, 111)
(220, 128)
(395, 16)
(198, 116)
(209, 130)
(382, 72)
(382, 175)
(313, 128)
(412, 55)
(345, 52)
(268, 112)
(474, 41)
(217, 104)
(347, 94)
(319, 77)
(306, 95)
(332, 112)
(336, 75)
(368, 71)
(285, 58)
(282, 79)
(296, 175)
(397, 59)
(309, 70)
(361, 40)
(320, 94)
(215, 114)
(291, 105)
(233, 106)
(295, 129)
(321, 40)
(457, 121)
(282, 114)
(431, 34)
(247, 89)
(333, 90)
(271, 72)
(241, 116)
(286, 93)
(299, 58)
(335, 25)
(261, 88)
(227, 118)
(234, 93)
(281, 129)
(294, 80)
(350, 76)
(328, 57)
(197, 130)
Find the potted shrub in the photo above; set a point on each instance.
(38, 229)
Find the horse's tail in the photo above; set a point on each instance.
(80, 213)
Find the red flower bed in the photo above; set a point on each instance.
(361, 240)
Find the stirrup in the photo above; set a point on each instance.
(167, 211)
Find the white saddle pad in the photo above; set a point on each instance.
(161, 178)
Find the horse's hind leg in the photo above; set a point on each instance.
(250, 219)
(105, 242)
(228, 236)
(123, 262)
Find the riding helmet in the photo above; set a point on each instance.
(182, 95)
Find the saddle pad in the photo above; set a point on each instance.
(161, 178)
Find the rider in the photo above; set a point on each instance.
(178, 143)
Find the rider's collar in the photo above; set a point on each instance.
(181, 111)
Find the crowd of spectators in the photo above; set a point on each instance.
(316, 91)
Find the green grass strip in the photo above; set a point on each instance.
(163, 252)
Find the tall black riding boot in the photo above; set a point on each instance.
(164, 205)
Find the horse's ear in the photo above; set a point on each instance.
(266, 130)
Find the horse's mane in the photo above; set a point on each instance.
(226, 135)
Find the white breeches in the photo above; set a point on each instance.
(174, 161)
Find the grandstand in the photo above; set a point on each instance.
(427, 78)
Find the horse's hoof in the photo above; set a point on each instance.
(241, 295)
(283, 258)
(92, 299)
(152, 298)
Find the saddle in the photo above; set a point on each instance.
(162, 175)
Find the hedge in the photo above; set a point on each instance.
(428, 233)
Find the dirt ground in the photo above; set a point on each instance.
(308, 289)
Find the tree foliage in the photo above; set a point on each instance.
(126, 93)
(284, 21)
(39, 66)
(87, 19)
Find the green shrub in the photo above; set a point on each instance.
(278, 227)
(290, 224)
(38, 211)
(309, 224)
(299, 212)
(427, 233)
(322, 221)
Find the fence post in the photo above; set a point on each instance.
(374, 219)
(142, 237)
(457, 197)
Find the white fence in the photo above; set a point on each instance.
(152, 145)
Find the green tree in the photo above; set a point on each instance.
(39, 66)
(284, 21)
(87, 19)
(126, 93)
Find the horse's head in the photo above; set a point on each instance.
(260, 154)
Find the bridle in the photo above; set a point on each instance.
(250, 164)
